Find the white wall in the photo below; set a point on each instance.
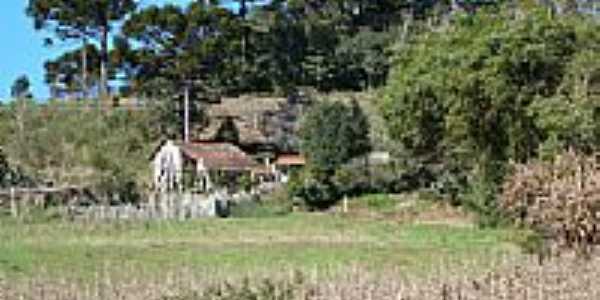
(168, 167)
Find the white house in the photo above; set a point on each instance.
(167, 164)
(199, 165)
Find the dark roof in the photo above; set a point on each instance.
(218, 156)
(248, 134)
(245, 106)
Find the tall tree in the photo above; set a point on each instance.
(242, 13)
(20, 91)
(332, 133)
(68, 77)
(20, 87)
(82, 19)
(182, 51)
(181, 44)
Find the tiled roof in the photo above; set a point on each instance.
(290, 160)
(218, 156)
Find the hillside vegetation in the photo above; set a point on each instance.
(75, 144)
(488, 109)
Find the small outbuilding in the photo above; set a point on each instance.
(285, 164)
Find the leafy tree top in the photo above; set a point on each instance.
(180, 44)
(77, 18)
(20, 87)
(332, 133)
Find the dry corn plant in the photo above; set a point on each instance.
(559, 199)
(521, 279)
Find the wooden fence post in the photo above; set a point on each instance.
(345, 204)
(13, 203)
(152, 206)
(181, 206)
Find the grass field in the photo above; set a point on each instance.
(238, 246)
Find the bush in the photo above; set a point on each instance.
(332, 133)
(481, 198)
(357, 178)
(317, 192)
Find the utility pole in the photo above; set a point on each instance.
(186, 113)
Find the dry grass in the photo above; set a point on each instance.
(559, 198)
(507, 279)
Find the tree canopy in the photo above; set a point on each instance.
(332, 133)
(272, 46)
(82, 20)
(20, 87)
(513, 87)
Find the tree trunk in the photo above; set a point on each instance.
(104, 63)
(21, 118)
(84, 84)
(243, 12)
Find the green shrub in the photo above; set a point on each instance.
(532, 244)
(380, 202)
(317, 192)
(358, 178)
(481, 195)
(318, 195)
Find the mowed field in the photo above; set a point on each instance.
(230, 247)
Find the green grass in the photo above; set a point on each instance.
(379, 202)
(237, 246)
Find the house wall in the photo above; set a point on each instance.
(168, 168)
(203, 176)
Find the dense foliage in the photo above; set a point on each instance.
(494, 87)
(331, 134)
(265, 46)
(82, 20)
(76, 145)
(467, 86)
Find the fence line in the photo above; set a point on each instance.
(165, 206)
(168, 206)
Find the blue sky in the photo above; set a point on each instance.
(22, 50)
